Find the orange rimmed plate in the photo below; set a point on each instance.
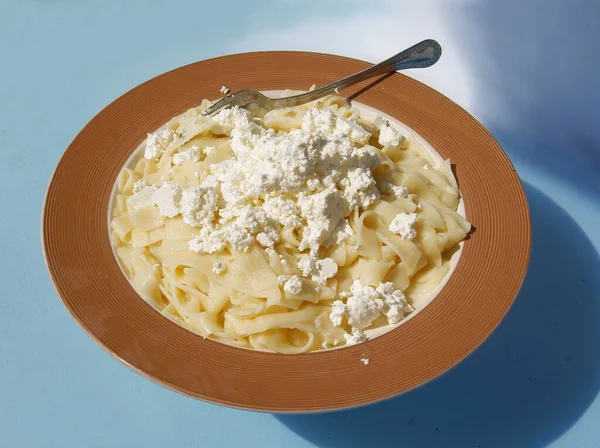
(476, 297)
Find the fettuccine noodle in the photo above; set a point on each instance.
(397, 245)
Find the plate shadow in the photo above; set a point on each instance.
(524, 387)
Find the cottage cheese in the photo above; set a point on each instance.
(191, 154)
(313, 184)
(243, 200)
(157, 142)
(403, 225)
(360, 188)
(268, 238)
(355, 337)
(324, 157)
(208, 241)
(365, 304)
(340, 233)
(396, 191)
(198, 205)
(396, 307)
(354, 131)
(293, 285)
(167, 198)
(283, 210)
(139, 185)
(238, 237)
(218, 267)
(388, 134)
(291, 199)
(318, 270)
(327, 165)
(322, 212)
(338, 311)
(326, 122)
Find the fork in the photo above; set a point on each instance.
(422, 55)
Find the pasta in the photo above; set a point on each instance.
(333, 226)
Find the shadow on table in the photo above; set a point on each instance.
(531, 380)
(540, 76)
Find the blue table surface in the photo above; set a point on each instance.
(526, 75)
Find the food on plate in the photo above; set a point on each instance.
(291, 230)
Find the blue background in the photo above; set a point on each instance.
(527, 70)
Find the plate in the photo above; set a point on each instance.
(471, 304)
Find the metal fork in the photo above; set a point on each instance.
(421, 55)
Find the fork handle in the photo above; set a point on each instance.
(422, 55)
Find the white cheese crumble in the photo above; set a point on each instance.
(396, 191)
(293, 285)
(139, 185)
(218, 267)
(396, 306)
(325, 155)
(365, 361)
(224, 90)
(238, 237)
(283, 210)
(167, 198)
(199, 204)
(313, 184)
(355, 337)
(318, 270)
(208, 241)
(365, 304)
(191, 154)
(403, 225)
(268, 239)
(354, 131)
(326, 122)
(157, 142)
(338, 311)
(303, 185)
(340, 233)
(359, 188)
(322, 211)
(388, 134)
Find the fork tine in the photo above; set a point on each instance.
(223, 102)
